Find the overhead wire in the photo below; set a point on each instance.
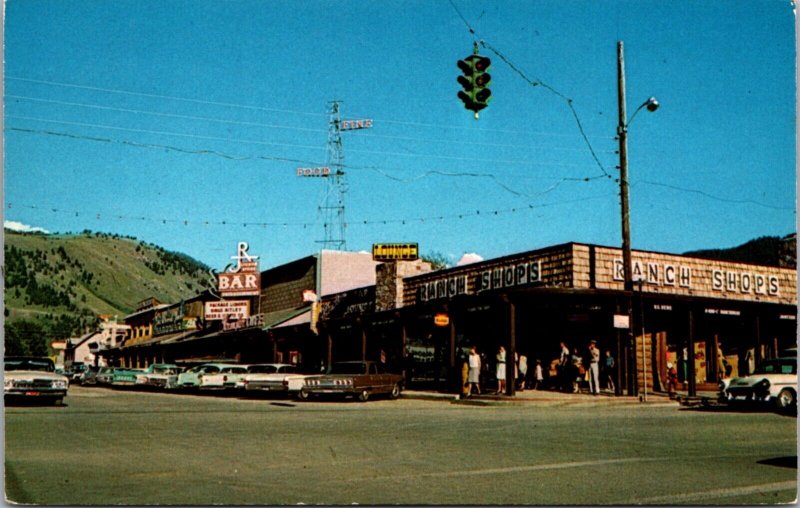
(159, 96)
(383, 171)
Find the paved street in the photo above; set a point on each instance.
(109, 447)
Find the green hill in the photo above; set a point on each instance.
(63, 282)
(766, 250)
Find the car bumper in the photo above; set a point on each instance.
(253, 387)
(748, 393)
(331, 390)
(34, 393)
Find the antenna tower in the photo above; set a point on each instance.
(333, 207)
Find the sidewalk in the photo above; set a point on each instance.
(544, 397)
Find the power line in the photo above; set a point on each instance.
(276, 126)
(717, 198)
(157, 96)
(382, 170)
(245, 141)
(161, 114)
(164, 133)
(243, 106)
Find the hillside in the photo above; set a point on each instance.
(766, 250)
(64, 282)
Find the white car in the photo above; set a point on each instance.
(159, 375)
(275, 378)
(33, 378)
(225, 378)
(774, 381)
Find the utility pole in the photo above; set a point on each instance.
(622, 135)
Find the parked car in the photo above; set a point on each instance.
(159, 375)
(89, 376)
(123, 376)
(360, 379)
(225, 378)
(75, 371)
(774, 381)
(273, 378)
(33, 378)
(190, 378)
(104, 376)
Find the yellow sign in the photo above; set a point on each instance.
(395, 251)
(441, 320)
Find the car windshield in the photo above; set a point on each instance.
(42, 364)
(348, 368)
(165, 370)
(262, 369)
(778, 367)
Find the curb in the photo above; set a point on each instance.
(543, 401)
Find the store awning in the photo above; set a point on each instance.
(163, 339)
(301, 319)
(286, 318)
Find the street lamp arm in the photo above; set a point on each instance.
(651, 104)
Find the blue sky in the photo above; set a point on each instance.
(162, 120)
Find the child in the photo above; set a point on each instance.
(538, 375)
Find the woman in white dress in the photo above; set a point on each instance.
(501, 370)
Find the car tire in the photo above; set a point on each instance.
(786, 400)
(302, 395)
(395, 391)
(363, 396)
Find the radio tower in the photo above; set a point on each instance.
(333, 207)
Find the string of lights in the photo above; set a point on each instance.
(234, 223)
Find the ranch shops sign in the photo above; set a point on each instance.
(723, 281)
(501, 277)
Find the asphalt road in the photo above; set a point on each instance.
(120, 447)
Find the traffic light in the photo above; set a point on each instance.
(474, 81)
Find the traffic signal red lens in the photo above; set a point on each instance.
(482, 63)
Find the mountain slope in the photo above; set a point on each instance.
(766, 250)
(74, 278)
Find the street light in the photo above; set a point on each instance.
(622, 133)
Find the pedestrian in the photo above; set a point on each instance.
(523, 371)
(501, 370)
(672, 378)
(564, 366)
(464, 377)
(538, 375)
(577, 372)
(594, 368)
(474, 374)
(608, 370)
(722, 366)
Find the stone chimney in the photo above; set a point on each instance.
(389, 281)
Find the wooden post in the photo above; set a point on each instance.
(691, 367)
(511, 314)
